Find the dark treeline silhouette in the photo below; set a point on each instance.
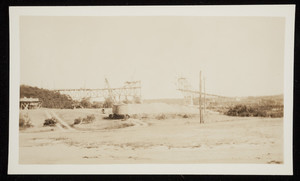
(53, 99)
(50, 99)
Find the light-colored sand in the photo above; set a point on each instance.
(222, 139)
(161, 108)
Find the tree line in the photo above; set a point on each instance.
(49, 99)
(54, 99)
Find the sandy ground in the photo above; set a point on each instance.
(222, 139)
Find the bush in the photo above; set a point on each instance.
(243, 110)
(24, 121)
(85, 102)
(186, 116)
(144, 116)
(127, 102)
(77, 121)
(50, 122)
(97, 105)
(135, 116)
(86, 120)
(255, 111)
(139, 116)
(260, 113)
(21, 123)
(161, 116)
(276, 114)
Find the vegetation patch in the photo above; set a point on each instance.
(187, 116)
(77, 121)
(139, 116)
(50, 99)
(161, 117)
(50, 122)
(88, 119)
(273, 111)
(24, 121)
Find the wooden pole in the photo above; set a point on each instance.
(204, 94)
(200, 97)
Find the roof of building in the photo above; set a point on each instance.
(25, 99)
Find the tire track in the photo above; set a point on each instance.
(62, 125)
(48, 116)
(137, 122)
(65, 125)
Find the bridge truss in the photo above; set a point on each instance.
(130, 91)
(189, 94)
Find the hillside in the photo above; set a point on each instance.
(224, 101)
(50, 99)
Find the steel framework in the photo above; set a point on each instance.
(188, 93)
(129, 90)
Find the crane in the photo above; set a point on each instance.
(110, 93)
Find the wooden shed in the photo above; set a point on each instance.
(30, 103)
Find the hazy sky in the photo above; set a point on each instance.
(239, 56)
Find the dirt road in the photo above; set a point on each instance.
(222, 139)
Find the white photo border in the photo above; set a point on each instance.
(286, 11)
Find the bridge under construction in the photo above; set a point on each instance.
(130, 91)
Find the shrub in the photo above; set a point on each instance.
(77, 121)
(21, 122)
(186, 116)
(260, 113)
(127, 102)
(135, 116)
(97, 105)
(254, 110)
(24, 121)
(144, 116)
(85, 102)
(161, 116)
(86, 120)
(276, 114)
(50, 122)
(242, 110)
(139, 116)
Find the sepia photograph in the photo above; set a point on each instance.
(192, 88)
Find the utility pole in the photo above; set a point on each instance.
(140, 85)
(200, 97)
(204, 94)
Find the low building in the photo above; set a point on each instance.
(30, 103)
